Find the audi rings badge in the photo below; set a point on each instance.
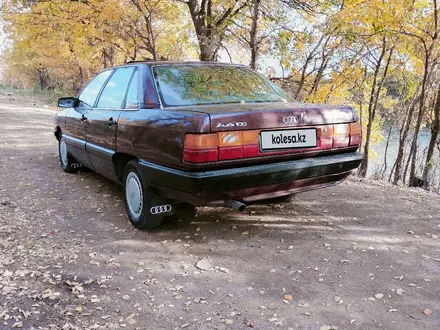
(161, 209)
(290, 120)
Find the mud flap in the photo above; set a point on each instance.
(160, 207)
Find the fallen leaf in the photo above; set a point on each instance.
(288, 297)
(249, 323)
(204, 264)
(224, 270)
(427, 311)
(378, 295)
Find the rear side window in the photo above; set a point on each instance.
(90, 93)
(132, 101)
(114, 91)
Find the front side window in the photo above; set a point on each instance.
(90, 93)
(114, 91)
(132, 101)
(213, 84)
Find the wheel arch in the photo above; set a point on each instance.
(120, 160)
(58, 133)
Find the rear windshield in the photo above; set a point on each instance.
(211, 84)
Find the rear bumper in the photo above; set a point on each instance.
(212, 185)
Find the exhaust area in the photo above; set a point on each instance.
(235, 205)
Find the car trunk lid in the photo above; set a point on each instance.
(267, 129)
(231, 117)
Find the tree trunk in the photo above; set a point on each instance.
(82, 78)
(413, 152)
(385, 163)
(318, 78)
(435, 129)
(210, 27)
(306, 65)
(43, 79)
(108, 56)
(253, 34)
(405, 171)
(147, 15)
(371, 111)
(151, 38)
(207, 53)
(200, 14)
(402, 141)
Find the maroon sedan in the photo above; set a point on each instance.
(202, 134)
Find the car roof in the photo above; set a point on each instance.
(150, 63)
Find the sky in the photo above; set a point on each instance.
(2, 42)
(2, 36)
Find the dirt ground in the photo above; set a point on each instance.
(361, 255)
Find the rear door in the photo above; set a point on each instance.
(75, 131)
(101, 126)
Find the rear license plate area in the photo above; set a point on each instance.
(288, 139)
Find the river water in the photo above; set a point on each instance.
(377, 163)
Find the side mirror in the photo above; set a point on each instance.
(67, 102)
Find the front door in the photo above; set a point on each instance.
(102, 121)
(76, 119)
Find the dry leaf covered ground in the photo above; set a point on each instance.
(357, 256)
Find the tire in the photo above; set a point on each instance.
(68, 163)
(140, 201)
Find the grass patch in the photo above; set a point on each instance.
(49, 97)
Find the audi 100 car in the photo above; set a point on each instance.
(199, 133)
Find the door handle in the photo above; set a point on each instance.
(111, 122)
(83, 118)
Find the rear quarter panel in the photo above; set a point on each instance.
(157, 135)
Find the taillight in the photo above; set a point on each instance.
(251, 146)
(355, 134)
(325, 137)
(230, 145)
(200, 148)
(205, 148)
(341, 135)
